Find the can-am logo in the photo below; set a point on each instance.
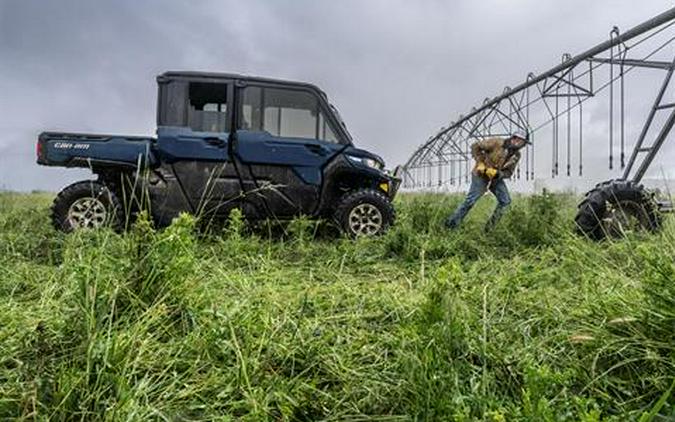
(70, 145)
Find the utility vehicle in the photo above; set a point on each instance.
(274, 149)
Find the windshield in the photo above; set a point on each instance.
(336, 113)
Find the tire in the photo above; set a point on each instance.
(86, 204)
(364, 212)
(615, 207)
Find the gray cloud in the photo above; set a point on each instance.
(397, 70)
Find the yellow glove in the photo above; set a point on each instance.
(491, 172)
(480, 168)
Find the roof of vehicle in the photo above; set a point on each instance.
(194, 75)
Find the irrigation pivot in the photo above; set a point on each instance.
(550, 106)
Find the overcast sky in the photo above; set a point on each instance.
(397, 69)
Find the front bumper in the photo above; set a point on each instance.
(394, 183)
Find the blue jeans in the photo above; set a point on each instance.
(478, 187)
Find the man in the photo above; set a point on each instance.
(496, 159)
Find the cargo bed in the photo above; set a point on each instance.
(88, 150)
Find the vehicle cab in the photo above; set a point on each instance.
(275, 149)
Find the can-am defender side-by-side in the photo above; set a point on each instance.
(274, 149)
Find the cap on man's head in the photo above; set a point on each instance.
(525, 136)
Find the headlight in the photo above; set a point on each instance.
(368, 162)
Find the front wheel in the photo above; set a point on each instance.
(86, 205)
(365, 212)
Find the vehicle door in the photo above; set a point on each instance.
(285, 139)
(197, 151)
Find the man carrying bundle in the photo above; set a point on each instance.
(496, 159)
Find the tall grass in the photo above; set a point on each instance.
(529, 323)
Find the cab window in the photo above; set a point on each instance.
(325, 131)
(207, 111)
(285, 113)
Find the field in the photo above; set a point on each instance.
(531, 323)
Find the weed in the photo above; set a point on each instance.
(528, 323)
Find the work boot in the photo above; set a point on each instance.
(494, 219)
(451, 224)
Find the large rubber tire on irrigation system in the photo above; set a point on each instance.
(364, 212)
(616, 208)
(87, 205)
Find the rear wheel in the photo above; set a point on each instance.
(365, 212)
(86, 205)
(616, 208)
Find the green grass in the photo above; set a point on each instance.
(531, 323)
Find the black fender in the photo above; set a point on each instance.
(341, 176)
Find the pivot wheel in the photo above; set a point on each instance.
(364, 212)
(615, 209)
(86, 205)
(623, 218)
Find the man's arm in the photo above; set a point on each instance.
(510, 165)
(477, 152)
(480, 149)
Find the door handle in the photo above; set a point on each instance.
(316, 149)
(216, 142)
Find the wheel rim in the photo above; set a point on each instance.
(623, 218)
(87, 213)
(365, 220)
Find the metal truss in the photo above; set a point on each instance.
(550, 106)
